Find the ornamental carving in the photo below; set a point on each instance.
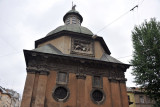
(44, 65)
(117, 74)
(80, 76)
(82, 47)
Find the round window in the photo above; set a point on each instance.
(97, 96)
(60, 93)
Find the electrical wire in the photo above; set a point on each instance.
(11, 54)
(124, 57)
(2, 38)
(113, 21)
(141, 2)
(8, 43)
(117, 19)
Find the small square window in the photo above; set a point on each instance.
(62, 78)
(97, 82)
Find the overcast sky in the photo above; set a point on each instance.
(24, 21)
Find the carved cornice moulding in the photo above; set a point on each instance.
(34, 70)
(44, 63)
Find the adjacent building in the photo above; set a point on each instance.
(5, 98)
(72, 67)
(9, 98)
(138, 98)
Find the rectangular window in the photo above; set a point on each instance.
(78, 21)
(97, 82)
(68, 21)
(62, 78)
(73, 20)
(141, 99)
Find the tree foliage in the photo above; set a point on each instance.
(146, 57)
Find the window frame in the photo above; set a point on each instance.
(100, 82)
(62, 82)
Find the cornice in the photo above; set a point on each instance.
(44, 63)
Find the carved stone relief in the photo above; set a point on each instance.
(82, 47)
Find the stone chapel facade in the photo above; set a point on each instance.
(70, 68)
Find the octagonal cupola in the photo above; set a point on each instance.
(72, 17)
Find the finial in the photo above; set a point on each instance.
(73, 6)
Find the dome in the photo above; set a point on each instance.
(72, 22)
(71, 27)
(73, 12)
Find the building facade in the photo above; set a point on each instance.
(72, 67)
(5, 98)
(9, 98)
(15, 98)
(138, 98)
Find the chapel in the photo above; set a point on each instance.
(72, 67)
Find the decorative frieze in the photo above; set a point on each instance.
(72, 65)
(36, 70)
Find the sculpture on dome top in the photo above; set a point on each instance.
(73, 7)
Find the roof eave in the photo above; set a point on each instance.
(27, 52)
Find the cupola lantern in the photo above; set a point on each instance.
(73, 17)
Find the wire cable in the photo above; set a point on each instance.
(11, 54)
(113, 21)
(124, 57)
(141, 2)
(117, 19)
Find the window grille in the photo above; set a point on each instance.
(60, 93)
(97, 95)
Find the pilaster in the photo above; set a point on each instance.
(28, 89)
(41, 89)
(124, 94)
(80, 90)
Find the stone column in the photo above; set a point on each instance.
(27, 93)
(41, 89)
